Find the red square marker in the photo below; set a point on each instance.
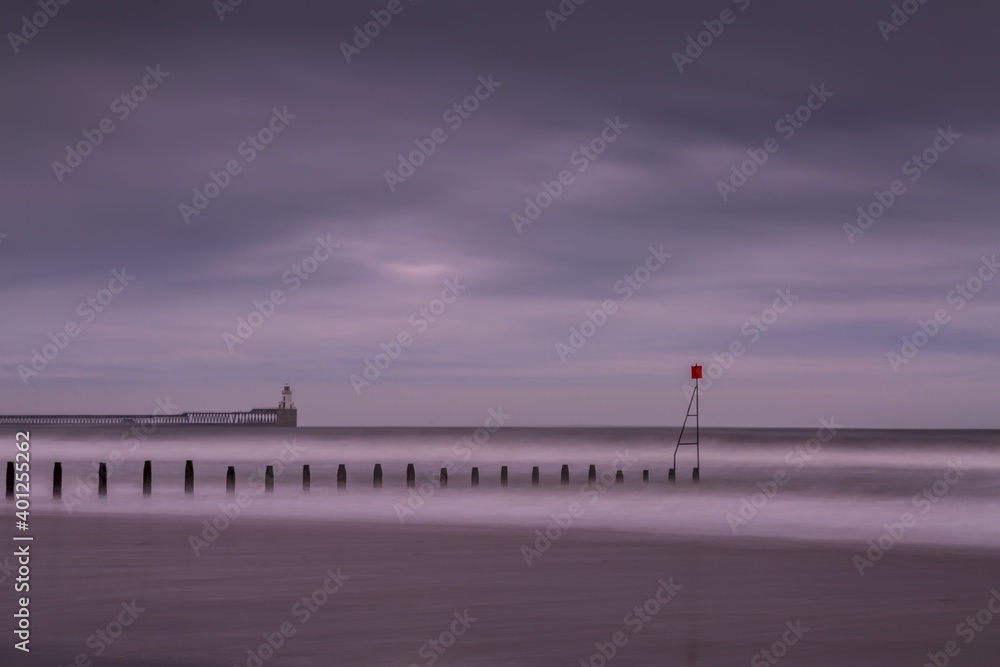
(696, 372)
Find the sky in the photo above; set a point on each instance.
(550, 208)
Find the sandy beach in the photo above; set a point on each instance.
(418, 595)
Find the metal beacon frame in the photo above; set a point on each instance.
(696, 374)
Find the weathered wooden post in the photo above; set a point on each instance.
(592, 474)
(102, 480)
(147, 478)
(645, 477)
(534, 476)
(503, 475)
(475, 476)
(619, 477)
(342, 476)
(269, 479)
(377, 476)
(411, 476)
(231, 480)
(10, 479)
(565, 475)
(189, 477)
(444, 478)
(57, 480)
(305, 477)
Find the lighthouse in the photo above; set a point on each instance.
(287, 414)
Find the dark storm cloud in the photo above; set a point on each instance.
(323, 176)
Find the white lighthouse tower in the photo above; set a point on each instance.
(286, 398)
(287, 414)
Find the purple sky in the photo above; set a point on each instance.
(656, 184)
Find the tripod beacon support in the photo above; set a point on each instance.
(692, 411)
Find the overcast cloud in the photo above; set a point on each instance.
(609, 67)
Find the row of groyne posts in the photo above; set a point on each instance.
(411, 477)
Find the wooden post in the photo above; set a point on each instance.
(645, 477)
(189, 477)
(475, 476)
(102, 480)
(534, 476)
(57, 480)
(672, 475)
(231, 480)
(269, 479)
(377, 476)
(619, 477)
(696, 475)
(341, 476)
(147, 478)
(592, 474)
(444, 478)
(503, 475)
(305, 477)
(10, 479)
(565, 475)
(411, 476)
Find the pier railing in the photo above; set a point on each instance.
(259, 416)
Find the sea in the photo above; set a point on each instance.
(821, 484)
(819, 547)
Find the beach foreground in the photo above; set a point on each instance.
(419, 595)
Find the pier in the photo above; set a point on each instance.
(256, 417)
(283, 415)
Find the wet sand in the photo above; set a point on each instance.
(404, 585)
